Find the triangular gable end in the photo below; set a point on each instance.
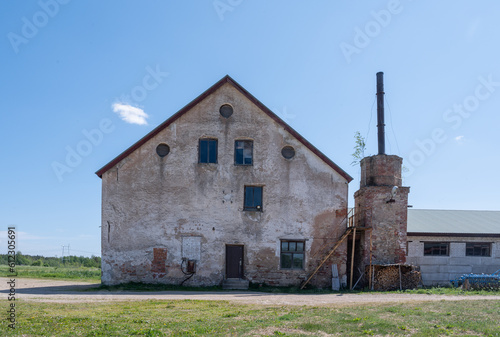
(209, 91)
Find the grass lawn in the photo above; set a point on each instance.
(60, 273)
(218, 318)
(293, 290)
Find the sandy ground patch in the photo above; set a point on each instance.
(73, 291)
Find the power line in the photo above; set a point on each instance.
(370, 122)
(83, 251)
(392, 128)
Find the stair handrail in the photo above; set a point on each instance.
(342, 238)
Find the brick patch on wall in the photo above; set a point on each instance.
(159, 258)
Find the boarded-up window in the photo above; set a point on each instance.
(159, 258)
(191, 247)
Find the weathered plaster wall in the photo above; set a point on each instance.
(439, 270)
(150, 203)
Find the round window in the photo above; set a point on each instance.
(226, 110)
(288, 152)
(162, 150)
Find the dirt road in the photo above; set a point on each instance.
(70, 291)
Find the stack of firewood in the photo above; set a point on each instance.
(412, 279)
(393, 277)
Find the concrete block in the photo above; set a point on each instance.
(489, 260)
(434, 260)
(415, 249)
(495, 250)
(413, 260)
(437, 283)
(485, 269)
(429, 268)
(457, 249)
(496, 262)
(454, 276)
(463, 261)
(455, 269)
(435, 278)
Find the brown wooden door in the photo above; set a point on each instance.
(234, 261)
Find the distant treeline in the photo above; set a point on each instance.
(66, 261)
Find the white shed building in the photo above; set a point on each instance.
(449, 243)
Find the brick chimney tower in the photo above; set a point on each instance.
(381, 202)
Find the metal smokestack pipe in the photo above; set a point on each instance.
(380, 113)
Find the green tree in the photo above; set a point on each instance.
(23, 260)
(359, 149)
(38, 263)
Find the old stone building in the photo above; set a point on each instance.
(225, 192)
(222, 190)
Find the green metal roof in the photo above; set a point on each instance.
(450, 221)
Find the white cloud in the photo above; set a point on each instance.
(130, 114)
(459, 139)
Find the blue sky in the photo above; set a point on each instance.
(82, 81)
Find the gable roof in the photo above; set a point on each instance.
(208, 92)
(437, 222)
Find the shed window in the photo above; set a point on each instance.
(292, 254)
(477, 249)
(243, 152)
(436, 248)
(253, 198)
(207, 151)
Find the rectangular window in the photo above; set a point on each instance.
(292, 254)
(477, 249)
(253, 198)
(208, 151)
(243, 152)
(436, 248)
